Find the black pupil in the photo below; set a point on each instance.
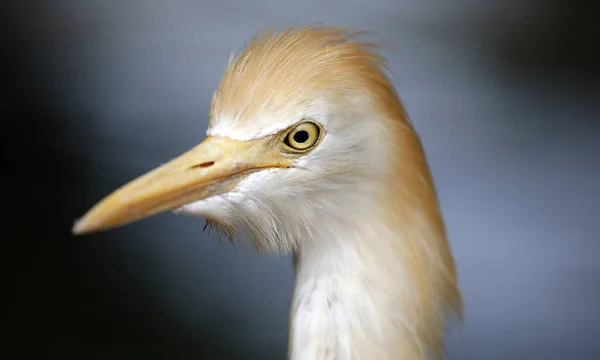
(301, 136)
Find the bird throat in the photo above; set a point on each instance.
(347, 301)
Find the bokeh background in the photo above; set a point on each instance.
(505, 95)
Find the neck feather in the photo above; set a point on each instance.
(344, 307)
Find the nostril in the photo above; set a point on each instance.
(203, 165)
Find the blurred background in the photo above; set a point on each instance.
(505, 95)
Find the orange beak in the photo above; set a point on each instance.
(212, 168)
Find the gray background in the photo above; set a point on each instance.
(504, 94)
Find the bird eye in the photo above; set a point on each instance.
(303, 136)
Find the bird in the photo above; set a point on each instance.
(309, 151)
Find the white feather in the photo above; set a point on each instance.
(320, 212)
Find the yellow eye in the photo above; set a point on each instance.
(303, 136)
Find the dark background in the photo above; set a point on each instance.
(93, 93)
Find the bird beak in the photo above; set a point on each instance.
(214, 167)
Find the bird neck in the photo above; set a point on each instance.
(377, 283)
(350, 299)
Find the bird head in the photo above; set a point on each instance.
(304, 130)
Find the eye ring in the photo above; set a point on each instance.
(303, 136)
